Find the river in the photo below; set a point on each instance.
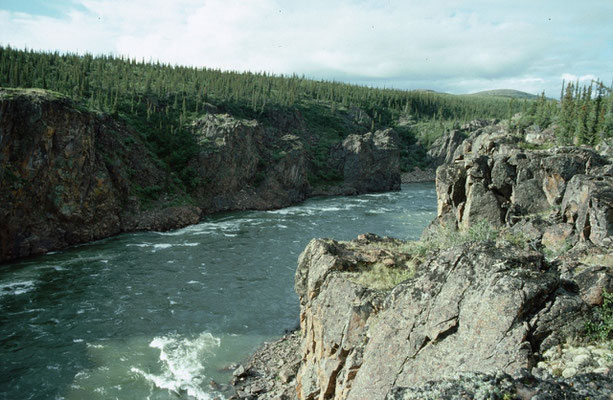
(159, 315)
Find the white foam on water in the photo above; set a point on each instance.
(16, 288)
(162, 246)
(381, 210)
(139, 244)
(182, 364)
(191, 229)
(296, 210)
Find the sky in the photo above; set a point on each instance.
(444, 45)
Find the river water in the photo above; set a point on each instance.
(159, 315)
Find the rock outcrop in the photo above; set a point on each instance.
(368, 162)
(242, 166)
(470, 318)
(70, 176)
(443, 150)
(478, 307)
(490, 178)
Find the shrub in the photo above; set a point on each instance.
(601, 325)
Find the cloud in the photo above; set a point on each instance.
(445, 45)
(581, 79)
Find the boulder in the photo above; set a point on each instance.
(588, 205)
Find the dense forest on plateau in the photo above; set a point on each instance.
(161, 101)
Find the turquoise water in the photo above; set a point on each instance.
(159, 315)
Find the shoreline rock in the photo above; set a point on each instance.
(419, 175)
(480, 319)
(270, 373)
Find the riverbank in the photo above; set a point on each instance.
(419, 175)
(72, 175)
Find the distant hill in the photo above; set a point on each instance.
(509, 93)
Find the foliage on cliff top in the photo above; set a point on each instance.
(445, 237)
(382, 277)
(583, 115)
(159, 100)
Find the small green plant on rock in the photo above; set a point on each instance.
(600, 328)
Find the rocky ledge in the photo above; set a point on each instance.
(492, 303)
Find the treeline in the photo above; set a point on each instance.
(112, 83)
(583, 115)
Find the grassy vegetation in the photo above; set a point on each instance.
(382, 277)
(446, 237)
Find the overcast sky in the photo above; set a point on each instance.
(444, 45)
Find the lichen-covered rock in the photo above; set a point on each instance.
(443, 149)
(588, 205)
(477, 308)
(492, 179)
(501, 386)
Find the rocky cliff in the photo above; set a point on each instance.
(72, 175)
(242, 166)
(369, 162)
(489, 177)
(492, 303)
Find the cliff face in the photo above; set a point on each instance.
(69, 176)
(369, 162)
(490, 178)
(477, 307)
(242, 166)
